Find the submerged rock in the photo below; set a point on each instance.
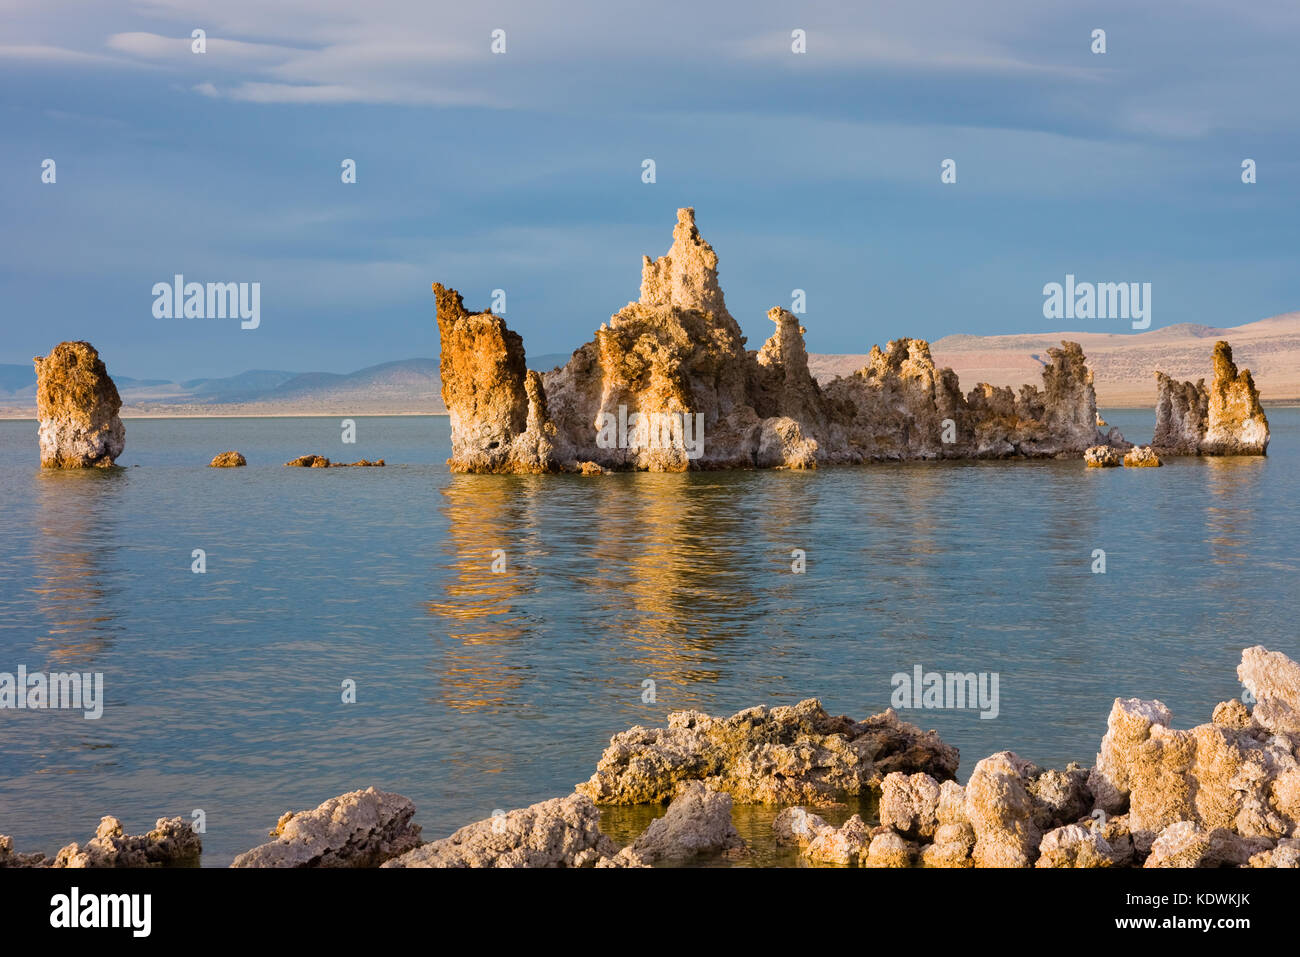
(1223, 418)
(783, 755)
(357, 829)
(359, 464)
(227, 460)
(668, 384)
(561, 832)
(77, 405)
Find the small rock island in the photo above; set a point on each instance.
(77, 405)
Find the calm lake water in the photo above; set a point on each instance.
(478, 691)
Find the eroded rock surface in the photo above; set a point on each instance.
(561, 832)
(1102, 456)
(698, 821)
(784, 755)
(677, 351)
(1141, 457)
(1274, 681)
(227, 460)
(77, 405)
(171, 843)
(357, 829)
(1222, 418)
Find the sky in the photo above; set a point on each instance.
(523, 170)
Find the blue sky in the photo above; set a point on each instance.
(522, 171)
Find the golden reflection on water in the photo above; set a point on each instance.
(72, 560)
(484, 514)
(1229, 518)
(660, 566)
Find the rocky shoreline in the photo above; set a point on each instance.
(677, 353)
(1221, 794)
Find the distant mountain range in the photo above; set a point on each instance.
(1123, 368)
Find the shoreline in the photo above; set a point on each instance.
(1220, 794)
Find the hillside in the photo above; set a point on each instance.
(1123, 368)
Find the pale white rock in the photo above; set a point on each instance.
(357, 829)
(698, 821)
(909, 803)
(554, 833)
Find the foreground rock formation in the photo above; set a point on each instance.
(358, 829)
(667, 384)
(781, 755)
(1222, 418)
(1222, 794)
(172, 843)
(77, 405)
(227, 460)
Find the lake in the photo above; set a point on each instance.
(479, 690)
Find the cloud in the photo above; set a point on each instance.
(42, 53)
(837, 49)
(154, 46)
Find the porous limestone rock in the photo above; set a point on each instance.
(1102, 456)
(952, 847)
(845, 844)
(227, 460)
(678, 351)
(561, 832)
(1001, 812)
(1141, 457)
(496, 405)
(1187, 844)
(172, 843)
(889, 849)
(698, 821)
(77, 405)
(1059, 797)
(797, 826)
(359, 464)
(1223, 418)
(1286, 854)
(1075, 845)
(11, 858)
(357, 829)
(1217, 775)
(909, 803)
(1274, 681)
(782, 755)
